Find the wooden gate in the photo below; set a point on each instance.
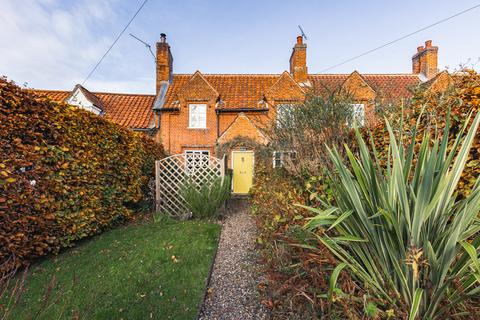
(173, 172)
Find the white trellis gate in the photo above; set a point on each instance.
(171, 174)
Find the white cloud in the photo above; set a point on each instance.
(48, 45)
(120, 86)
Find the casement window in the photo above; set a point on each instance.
(283, 114)
(281, 157)
(201, 152)
(358, 114)
(197, 116)
(195, 159)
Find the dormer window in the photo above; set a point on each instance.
(262, 104)
(197, 116)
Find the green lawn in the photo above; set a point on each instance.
(150, 271)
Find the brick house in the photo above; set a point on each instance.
(198, 112)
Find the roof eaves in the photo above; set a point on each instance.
(169, 109)
(226, 110)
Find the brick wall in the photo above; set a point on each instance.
(164, 66)
(177, 137)
(358, 90)
(298, 61)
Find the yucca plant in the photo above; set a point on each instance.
(400, 228)
(204, 198)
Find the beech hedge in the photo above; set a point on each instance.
(65, 174)
(461, 99)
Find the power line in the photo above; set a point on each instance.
(114, 42)
(401, 38)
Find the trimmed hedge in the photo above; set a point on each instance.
(65, 174)
(462, 98)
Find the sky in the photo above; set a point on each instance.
(54, 44)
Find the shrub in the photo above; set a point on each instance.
(297, 266)
(205, 197)
(65, 174)
(299, 269)
(461, 98)
(300, 128)
(400, 229)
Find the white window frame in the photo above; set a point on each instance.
(282, 109)
(193, 151)
(200, 122)
(193, 163)
(282, 158)
(358, 114)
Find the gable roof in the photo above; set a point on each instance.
(386, 86)
(238, 128)
(244, 91)
(286, 88)
(237, 92)
(199, 87)
(358, 87)
(441, 82)
(90, 96)
(130, 110)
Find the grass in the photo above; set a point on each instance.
(148, 271)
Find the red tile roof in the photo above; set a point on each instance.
(388, 86)
(237, 91)
(129, 110)
(246, 90)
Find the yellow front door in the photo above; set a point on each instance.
(242, 162)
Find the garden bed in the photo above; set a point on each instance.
(145, 271)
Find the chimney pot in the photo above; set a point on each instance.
(298, 61)
(164, 62)
(425, 61)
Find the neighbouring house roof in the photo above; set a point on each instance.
(130, 110)
(90, 96)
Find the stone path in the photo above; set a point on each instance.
(232, 293)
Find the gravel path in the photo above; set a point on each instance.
(232, 293)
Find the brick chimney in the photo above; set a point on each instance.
(164, 61)
(425, 61)
(298, 61)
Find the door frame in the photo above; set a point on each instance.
(253, 166)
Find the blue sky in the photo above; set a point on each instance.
(53, 44)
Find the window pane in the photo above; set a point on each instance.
(277, 159)
(284, 114)
(197, 116)
(196, 159)
(358, 114)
